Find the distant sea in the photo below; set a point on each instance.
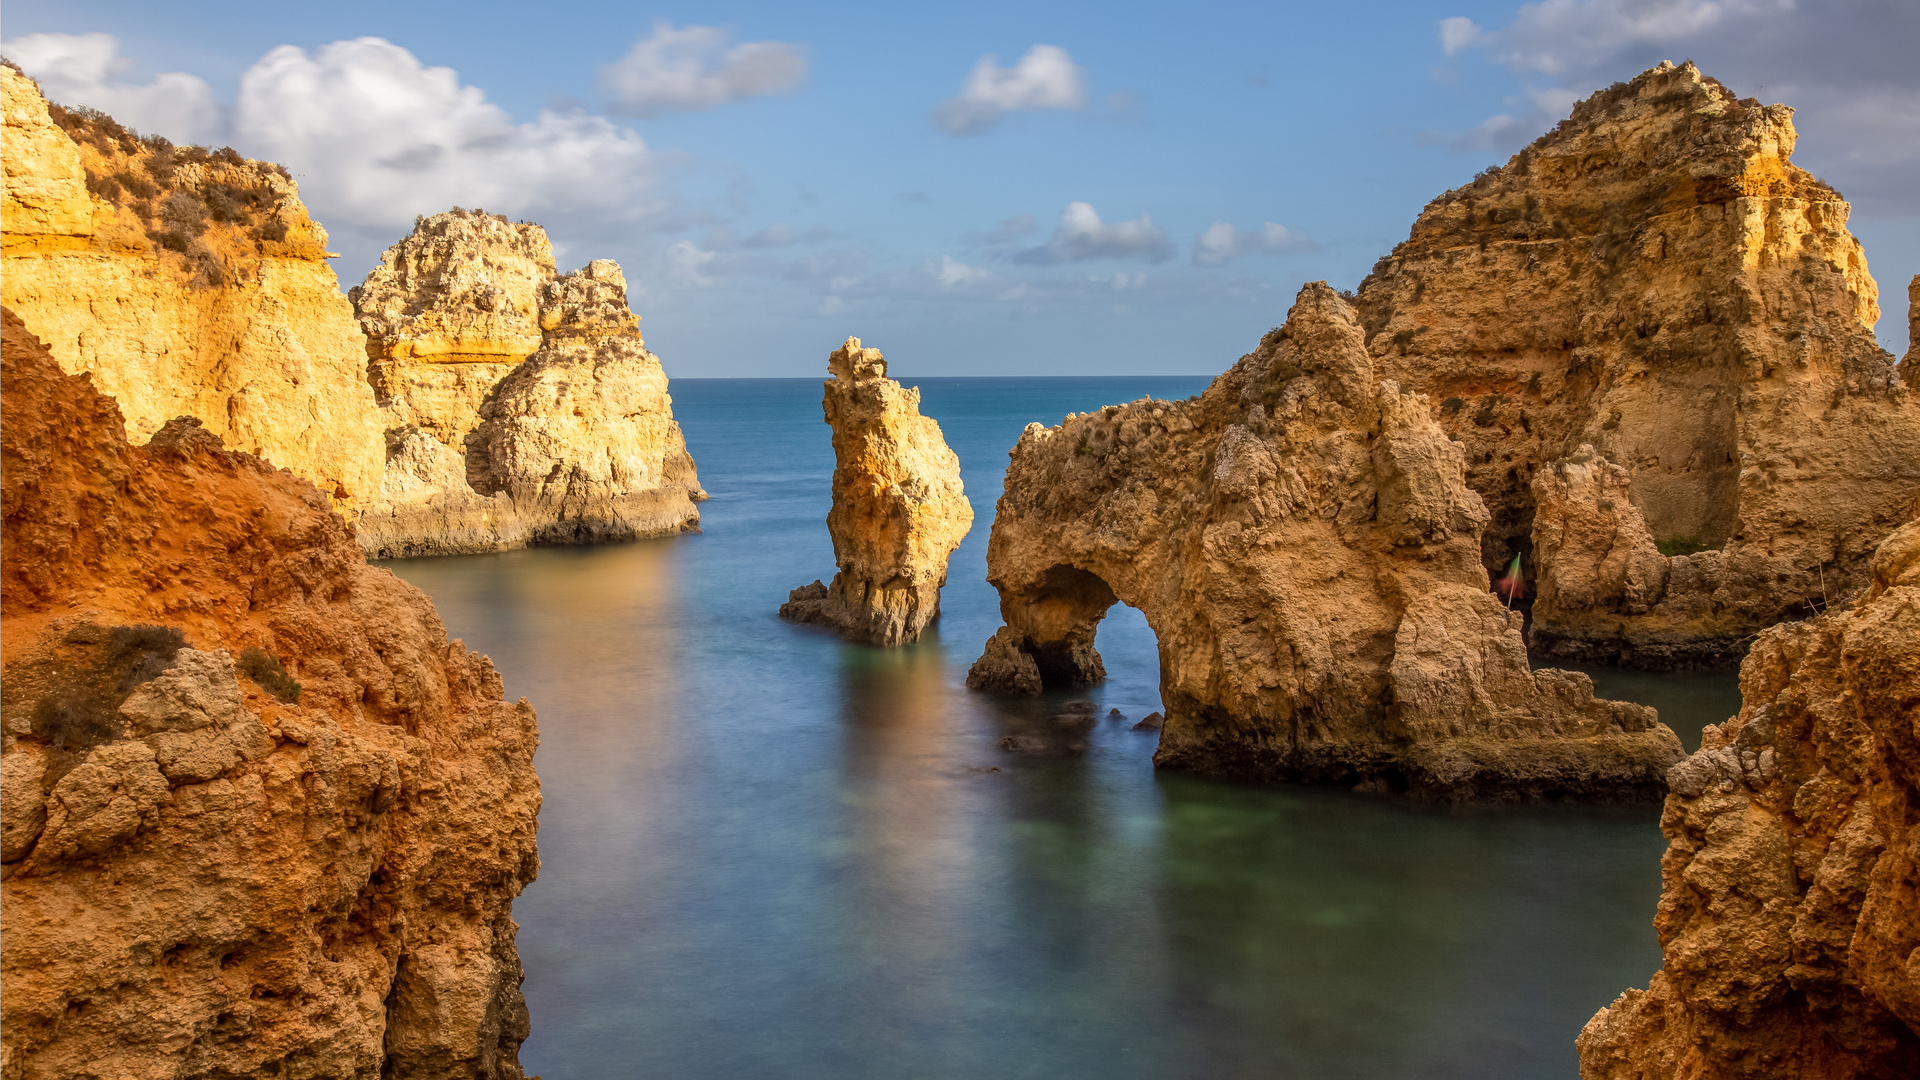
(767, 853)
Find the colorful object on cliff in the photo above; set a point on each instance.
(1512, 585)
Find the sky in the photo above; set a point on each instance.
(983, 189)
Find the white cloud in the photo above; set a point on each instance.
(1045, 78)
(376, 137)
(685, 70)
(1082, 235)
(953, 274)
(1221, 242)
(688, 264)
(85, 69)
(1457, 33)
(1558, 36)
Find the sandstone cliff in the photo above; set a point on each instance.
(1652, 334)
(520, 406)
(898, 507)
(1910, 364)
(1302, 541)
(1791, 912)
(260, 817)
(186, 282)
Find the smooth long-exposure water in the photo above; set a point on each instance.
(768, 853)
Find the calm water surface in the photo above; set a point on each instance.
(767, 853)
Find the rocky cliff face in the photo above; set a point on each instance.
(186, 283)
(260, 817)
(520, 406)
(1910, 364)
(1790, 917)
(898, 507)
(1652, 334)
(1302, 541)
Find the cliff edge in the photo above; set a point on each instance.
(260, 817)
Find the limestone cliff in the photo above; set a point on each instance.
(260, 817)
(1302, 541)
(1790, 917)
(186, 282)
(898, 507)
(520, 406)
(1652, 334)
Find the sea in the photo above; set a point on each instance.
(768, 853)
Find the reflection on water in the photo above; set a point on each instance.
(769, 853)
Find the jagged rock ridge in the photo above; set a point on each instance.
(260, 817)
(1790, 917)
(1653, 302)
(1302, 541)
(899, 508)
(520, 406)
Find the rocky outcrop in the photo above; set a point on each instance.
(898, 507)
(260, 817)
(1302, 540)
(1790, 917)
(1910, 364)
(1652, 334)
(520, 406)
(186, 283)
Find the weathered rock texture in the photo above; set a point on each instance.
(520, 406)
(1302, 541)
(1910, 364)
(1791, 912)
(898, 507)
(1651, 329)
(260, 817)
(187, 283)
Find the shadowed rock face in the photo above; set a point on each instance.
(260, 817)
(1651, 329)
(898, 507)
(521, 407)
(1302, 541)
(1790, 917)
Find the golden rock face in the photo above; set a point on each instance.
(1303, 542)
(899, 508)
(1654, 285)
(186, 283)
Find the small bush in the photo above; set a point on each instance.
(80, 714)
(1681, 545)
(266, 671)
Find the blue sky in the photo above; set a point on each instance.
(1122, 189)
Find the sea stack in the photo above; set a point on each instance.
(521, 406)
(1790, 917)
(1653, 336)
(898, 511)
(260, 817)
(1302, 540)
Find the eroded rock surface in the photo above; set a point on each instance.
(186, 283)
(1651, 330)
(898, 507)
(520, 406)
(260, 817)
(1302, 540)
(1790, 917)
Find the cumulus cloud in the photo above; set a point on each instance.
(376, 137)
(1845, 66)
(1045, 78)
(686, 69)
(955, 274)
(1222, 243)
(1082, 235)
(86, 69)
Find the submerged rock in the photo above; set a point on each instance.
(260, 817)
(1302, 541)
(1790, 917)
(521, 406)
(898, 507)
(1652, 335)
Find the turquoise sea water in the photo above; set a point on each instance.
(767, 853)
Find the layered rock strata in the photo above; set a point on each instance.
(520, 406)
(1652, 334)
(898, 511)
(260, 817)
(1302, 540)
(1790, 917)
(186, 282)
